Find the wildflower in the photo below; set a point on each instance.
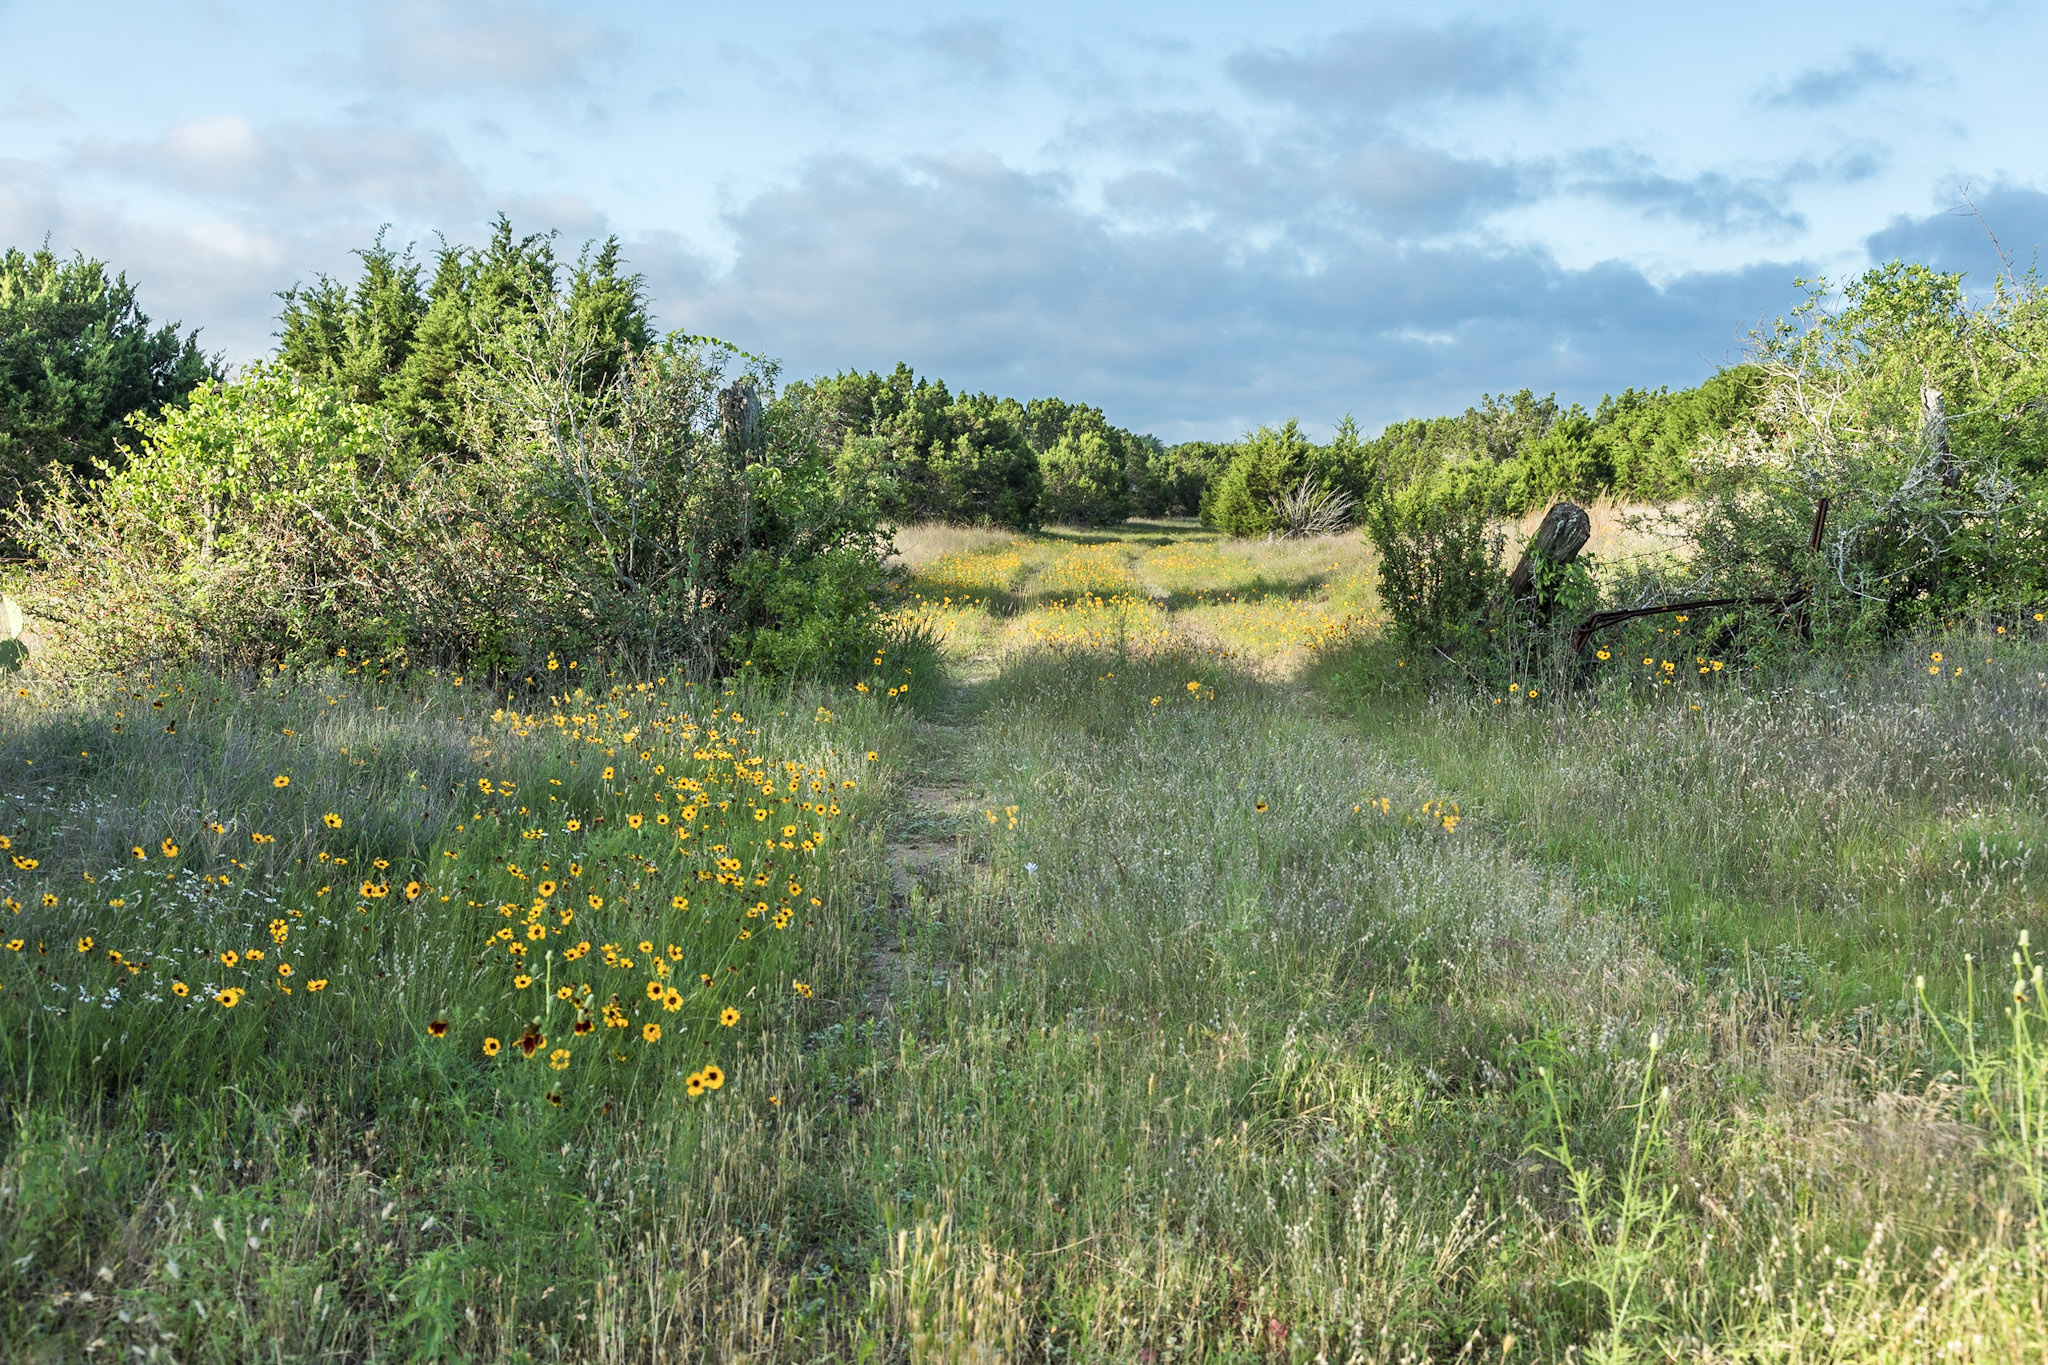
(695, 1084)
(607, 773)
(491, 1046)
(254, 955)
(229, 958)
(635, 820)
(178, 988)
(284, 969)
(1936, 656)
(230, 997)
(521, 981)
(582, 1027)
(331, 820)
(319, 984)
(536, 931)
(713, 1077)
(137, 851)
(544, 890)
(596, 902)
(728, 1016)
(1260, 806)
(559, 1060)
(280, 781)
(650, 1032)
(800, 987)
(574, 825)
(872, 755)
(679, 903)
(170, 849)
(85, 945)
(675, 954)
(412, 891)
(437, 1028)
(530, 1041)
(118, 902)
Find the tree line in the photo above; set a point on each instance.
(78, 360)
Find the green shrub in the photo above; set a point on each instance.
(274, 518)
(77, 356)
(1439, 566)
(1268, 463)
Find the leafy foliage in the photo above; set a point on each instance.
(278, 517)
(1917, 414)
(392, 343)
(1439, 566)
(77, 357)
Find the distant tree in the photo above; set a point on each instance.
(1268, 463)
(78, 358)
(397, 346)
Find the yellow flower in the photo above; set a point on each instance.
(635, 820)
(559, 1060)
(521, 981)
(491, 1046)
(170, 849)
(331, 820)
(318, 984)
(180, 989)
(679, 903)
(728, 1016)
(137, 851)
(713, 1077)
(651, 1032)
(438, 1028)
(544, 890)
(230, 958)
(85, 945)
(575, 825)
(607, 773)
(230, 997)
(49, 899)
(695, 1084)
(284, 969)
(280, 781)
(596, 902)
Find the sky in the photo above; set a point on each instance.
(1198, 217)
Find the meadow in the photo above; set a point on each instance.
(1133, 964)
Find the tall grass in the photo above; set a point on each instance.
(1166, 1002)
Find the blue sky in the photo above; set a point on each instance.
(1198, 217)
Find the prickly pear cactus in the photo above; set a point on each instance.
(13, 653)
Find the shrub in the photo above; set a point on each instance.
(275, 518)
(1439, 565)
(77, 356)
(1084, 474)
(1915, 414)
(1267, 464)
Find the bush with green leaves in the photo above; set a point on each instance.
(1268, 463)
(631, 517)
(1918, 415)
(1439, 576)
(77, 357)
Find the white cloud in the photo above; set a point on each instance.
(436, 45)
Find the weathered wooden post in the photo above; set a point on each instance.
(739, 415)
(1565, 530)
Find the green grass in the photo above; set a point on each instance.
(1291, 1015)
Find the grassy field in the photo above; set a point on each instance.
(1153, 975)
